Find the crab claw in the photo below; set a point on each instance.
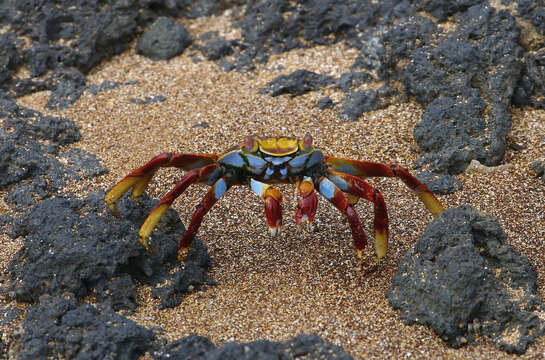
(273, 211)
(272, 198)
(307, 205)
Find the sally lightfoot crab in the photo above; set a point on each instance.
(262, 162)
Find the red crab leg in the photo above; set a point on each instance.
(138, 179)
(196, 175)
(217, 190)
(306, 208)
(371, 169)
(359, 187)
(273, 209)
(332, 193)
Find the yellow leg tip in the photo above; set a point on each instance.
(153, 218)
(433, 205)
(140, 186)
(182, 254)
(381, 244)
(113, 210)
(145, 242)
(117, 191)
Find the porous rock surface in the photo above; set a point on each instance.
(465, 77)
(59, 326)
(300, 347)
(163, 40)
(466, 82)
(78, 246)
(31, 160)
(463, 280)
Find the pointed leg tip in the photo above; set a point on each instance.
(182, 254)
(113, 210)
(304, 219)
(145, 243)
(275, 230)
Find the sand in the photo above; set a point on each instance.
(305, 280)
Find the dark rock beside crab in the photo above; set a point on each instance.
(297, 83)
(464, 281)
(163, 40)
(32, 164)
(466, 82)
(302, 346)
(75, 246)
(59, 327)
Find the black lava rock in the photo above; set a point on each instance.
(353, 80)
(59, 327)
(9, 314)
(10, 59)
(451, 134)
(533, 10)
(538, 167)
(439, 183)
(82, 162)
(195, 8)
(324, 103)
(217, 48)
(29, 143)
(193, 347)
(387, 49)
(277, 26)
(33, 168)
(165, 39)
(442, 9)
(22, 124)
(78, 246)
(67, 87)
(297, 83)
(16, 163)
(357, 103)
(309, 347)
(531, 86)
(466, 83)
(464, 281)
(107, 85)
(95, 31)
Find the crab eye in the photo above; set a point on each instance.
(250, 144)
(306, 143)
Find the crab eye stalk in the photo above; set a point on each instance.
(250, 144)
(306, 143)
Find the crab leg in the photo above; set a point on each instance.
(217, 190)
(206, 173)
(332, 193)
(273, 209)
(372, 169)
(361, 188)
(138, 179)
(306, 208)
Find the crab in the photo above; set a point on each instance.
(261, 162)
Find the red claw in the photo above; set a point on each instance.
(273, 212)
(306, 209)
